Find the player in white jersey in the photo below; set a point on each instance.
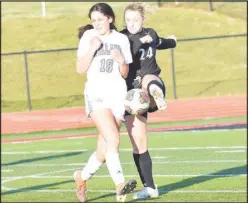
(104, 54)
(105, 86)
(145, 40)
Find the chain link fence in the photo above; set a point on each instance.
(33, 80)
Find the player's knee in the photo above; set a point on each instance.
(113, 142)
(160, 85)
(148, 78)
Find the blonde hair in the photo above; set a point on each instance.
(141, 7)
(136, 7)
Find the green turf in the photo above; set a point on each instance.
(203, 68)
(192, 175)
(93, 129)
(236, 9)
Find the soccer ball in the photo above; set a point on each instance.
(136, 102)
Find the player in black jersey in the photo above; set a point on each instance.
(144, 73)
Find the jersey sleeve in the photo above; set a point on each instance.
(84, 44)
(162, 43)
(125, 49)
(166, 43)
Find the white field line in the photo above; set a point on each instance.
(129, 149)
(98, 191)
(162, 191)
(159, 157)
(130, 176)
(230, 151)
(45, 152)
(131, 163)
(6, 170)
(200, 130)
(18, 142)
(30, 176)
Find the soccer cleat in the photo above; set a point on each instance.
(80, 187)
(147, 193)
(123, 189)
(158, 96)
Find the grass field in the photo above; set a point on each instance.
(203, 68)
(231, 8)
(200, 166)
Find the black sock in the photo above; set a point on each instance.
(145, 163)
(136, 160)
(158, 84)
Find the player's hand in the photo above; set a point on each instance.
(172, 37)
(117, 56)
(146, 39)
(95, 43)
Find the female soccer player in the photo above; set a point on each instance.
(99, 55)
(144, 73)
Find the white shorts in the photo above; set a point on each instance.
(112, 99)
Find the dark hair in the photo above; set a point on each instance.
(106, 10)
(82, 29)
(102, 8)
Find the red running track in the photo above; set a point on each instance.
(178, 110)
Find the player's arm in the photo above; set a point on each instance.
(123, 57)
(127, 54)
(124, 69)
(119, 58)
(86, 51)
(83, 62)
(163, 43)
(166, 43)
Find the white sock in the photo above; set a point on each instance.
(91, 167)
(114, 166)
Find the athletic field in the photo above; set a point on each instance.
(206, 164)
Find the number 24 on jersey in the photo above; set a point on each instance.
(148, 55)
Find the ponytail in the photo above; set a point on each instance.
(82, 29)
(112, 26)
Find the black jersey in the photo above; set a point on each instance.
(144, 55)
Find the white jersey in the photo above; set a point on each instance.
(104, 72)
(105, 87)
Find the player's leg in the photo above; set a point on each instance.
(107, 126)
(137, 150)
(137, 130)
(118, 110)
(156, 90)
(105, 123)
(94, 163)
(97, 158)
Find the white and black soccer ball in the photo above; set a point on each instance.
(137, 101)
